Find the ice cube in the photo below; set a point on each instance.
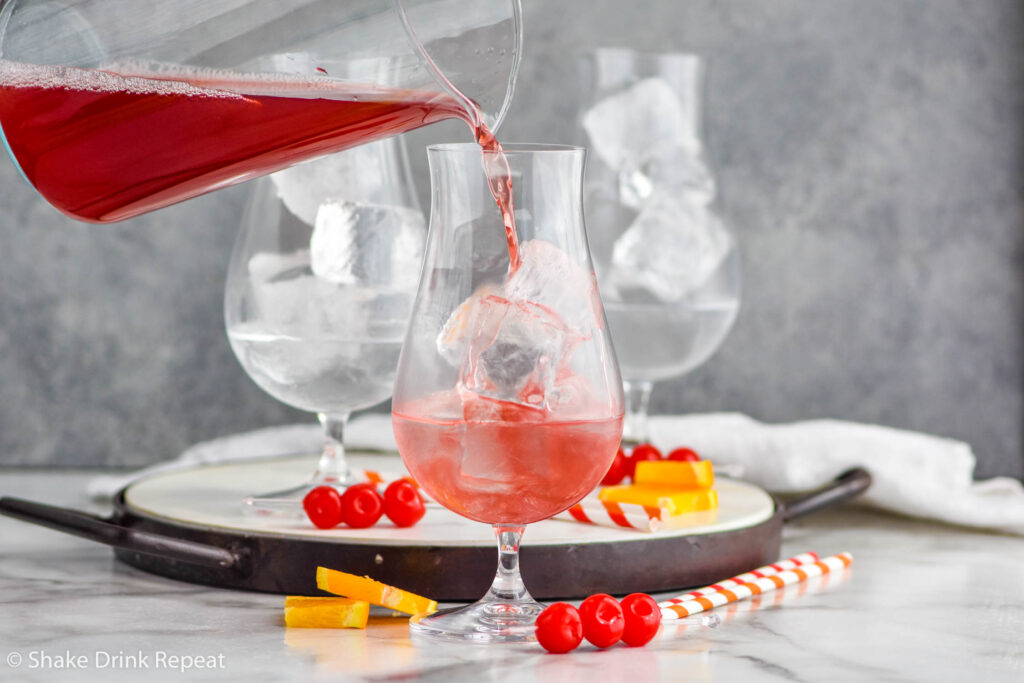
(364, 244)
(454, 336)
(278, 295)
(480, 408)
(513, 342)
(547, 276)
(291, 301)
(356, 174)
(500, 465)
(515, 349)
(287, 299)
(286, 360)
(630, 126)
(682, 171)
(671, 248)
(264, 265)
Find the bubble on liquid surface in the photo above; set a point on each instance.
(141, 77)
(18, 75)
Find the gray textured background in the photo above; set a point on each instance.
(869, 154)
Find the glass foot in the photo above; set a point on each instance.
(284, 504)
(332, 470)
(486, 621)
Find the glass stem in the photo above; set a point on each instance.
(508, 585)
(638, 398)
(333, 467)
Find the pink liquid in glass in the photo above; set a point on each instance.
(522, 469)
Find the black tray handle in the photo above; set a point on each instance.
(847, 485)
(104, 531)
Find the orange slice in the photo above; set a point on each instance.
(669, 498)
(374, 592)
(303, 612)
(683, 475)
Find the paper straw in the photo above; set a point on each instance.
(756, 587)
(381, 481)
(588, 511)
(609, 513)
(759, 573)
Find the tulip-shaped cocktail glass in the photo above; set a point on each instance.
(667, 264)
(508, 402)
(319, 291)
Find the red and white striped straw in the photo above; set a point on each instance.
(381, 481)
(759, 573)
(609, 513)
(756, 587)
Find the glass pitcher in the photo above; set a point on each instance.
(112, 108)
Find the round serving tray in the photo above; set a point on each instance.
(188, 524)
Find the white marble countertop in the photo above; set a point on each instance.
(922, 602)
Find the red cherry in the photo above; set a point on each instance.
(402, 503)
(559, 628)
(618, 470)
(644, 451)
(361, 505)
(603, 622)
(323, 507)
(684, 455)
(642, 616)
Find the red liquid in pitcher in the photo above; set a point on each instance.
(514, 471)
(104, 147)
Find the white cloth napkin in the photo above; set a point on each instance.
(914, 474)
(366, 432)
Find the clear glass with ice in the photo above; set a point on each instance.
(508, 402)
(320, 287)
(667, 264)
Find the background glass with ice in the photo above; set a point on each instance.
(320, 288)
(667, 264)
